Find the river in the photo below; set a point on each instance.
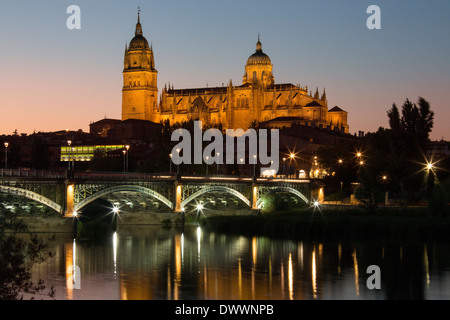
(156, 263)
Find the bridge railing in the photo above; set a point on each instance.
(123, 176)
(22, 173)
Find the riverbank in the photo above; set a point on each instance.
(337, 224)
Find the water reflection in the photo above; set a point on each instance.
(145, 262)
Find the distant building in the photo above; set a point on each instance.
(258, 99)
(131, 130)
(102, 127)
(86, 153)
(438, 149)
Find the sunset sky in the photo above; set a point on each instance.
(53, 78)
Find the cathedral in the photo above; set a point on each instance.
(258, 99)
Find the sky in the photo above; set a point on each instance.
(53, 78)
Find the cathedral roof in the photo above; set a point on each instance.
(336, 109)
(314, 104)
(259, 57)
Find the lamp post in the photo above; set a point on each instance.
(69, 142)
(73, 159)
(6, 154)
(178, 166)
(254, 165)
(128, 149)
(207, 158)
(124, 161)
(170, 156)
(291, 157)
(218, 156)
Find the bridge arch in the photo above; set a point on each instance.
(214, 189)
(122, 188)
(32, 196)
(284, 189)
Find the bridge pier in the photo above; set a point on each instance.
(254, 200)
(318, 194)
(69, 200)
(177, 197)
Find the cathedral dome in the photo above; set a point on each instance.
(259, 57)
(139, 42)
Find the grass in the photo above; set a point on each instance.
(335, 224)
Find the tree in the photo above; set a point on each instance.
(39, 153)
(17, 257)
(398, 153)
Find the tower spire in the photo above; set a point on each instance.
(258, 44)
(138, 24)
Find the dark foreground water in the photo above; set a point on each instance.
(150, 262)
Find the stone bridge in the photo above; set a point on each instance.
(69, 192)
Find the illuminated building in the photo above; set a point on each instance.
(258, 99)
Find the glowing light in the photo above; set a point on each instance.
(316, 204)
(115, 210)
(341, 161)
(75, 214)
(359, 154)
(429, 166)
(199, 207)
(314, 274)
(361, 163)
(291, 278)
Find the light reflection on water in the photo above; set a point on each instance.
(149, 262)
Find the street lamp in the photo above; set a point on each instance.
(69, 142)
(170, 155)
(254, 165)
(291, 157)
(207, 158)
(218, 156)
(6, 154)
(124, 161)
(178, 166)
(73, 159)
(128, 149)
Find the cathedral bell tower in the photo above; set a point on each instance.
(140, 90)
